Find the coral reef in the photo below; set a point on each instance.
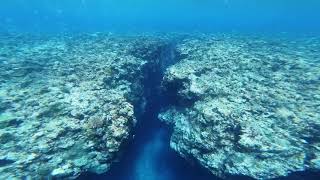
(238, 105)
(246, 105)
(68, 103)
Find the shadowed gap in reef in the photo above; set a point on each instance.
(149, 156)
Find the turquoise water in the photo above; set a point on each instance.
(149, 156)
(156, 15)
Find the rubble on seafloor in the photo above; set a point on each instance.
(246, 105)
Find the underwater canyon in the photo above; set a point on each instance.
(166, 106)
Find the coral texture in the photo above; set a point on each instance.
(246, 105)
(69, 103)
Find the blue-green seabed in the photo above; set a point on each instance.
(79, 105)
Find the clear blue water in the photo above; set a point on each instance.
(149, 156)
(160, 15)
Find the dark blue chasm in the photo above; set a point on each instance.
(149, 156)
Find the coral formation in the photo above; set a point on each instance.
(238, 105)
(69, 103)
(246, 105)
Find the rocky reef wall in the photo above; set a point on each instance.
(70, 103)
(245, 105)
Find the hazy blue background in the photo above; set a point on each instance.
(160, 15)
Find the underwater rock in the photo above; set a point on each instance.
(246, 105)
(73, 102)
(7, 119)
(239, 105)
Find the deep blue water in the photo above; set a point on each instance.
(149, 156)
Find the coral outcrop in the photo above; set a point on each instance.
(69, 103)
(246, 105)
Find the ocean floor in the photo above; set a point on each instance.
(170, 106)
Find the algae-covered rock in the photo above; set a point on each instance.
(68, 102)
(6, 137)
(246, 105)
(6, 119)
